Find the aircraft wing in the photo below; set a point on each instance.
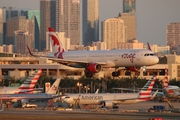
(65, 61)
(36, 89)
(128, 89)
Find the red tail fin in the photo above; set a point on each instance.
(57, 46)
(149, 47)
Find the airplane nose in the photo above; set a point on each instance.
(65, 100)
(156, 60)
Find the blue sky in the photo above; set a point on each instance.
(152, 15)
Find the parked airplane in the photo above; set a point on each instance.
(170, 91)
(25, 98)
(94, 61)
(110, 100)
(28, 86)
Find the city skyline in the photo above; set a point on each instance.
(151, 23)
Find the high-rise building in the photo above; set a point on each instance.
(129, 6)
(34, 15)
(47, 19)
(173, 36)
(113, 31)
(13, 24)
(22, 38)
(130, 22)
(90, 20)
(5, 14)
(2, 26)
(68, 19)
(134, 44)
(6, 48)
(16, 27)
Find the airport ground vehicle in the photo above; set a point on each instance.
(29, 105)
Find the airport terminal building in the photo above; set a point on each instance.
(20, 66)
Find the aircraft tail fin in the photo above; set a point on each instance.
(149, 47)
(55, 42)
(54, 88)
(97, 91)
(165, 81)
(29, 84)
(145, 93)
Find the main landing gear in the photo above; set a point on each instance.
(88, 73)
(116, 73)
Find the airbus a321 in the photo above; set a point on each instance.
(94, 61)
(110, 100)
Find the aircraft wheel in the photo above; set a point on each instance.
(115, 74)
(89, 74)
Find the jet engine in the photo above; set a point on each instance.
(94, 67)
(14, 100)
(133, 69)
(109, 104)
(171, 93)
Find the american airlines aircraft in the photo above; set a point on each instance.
(26, 87)
(170, 91)
(110, 100)
(25, 98)
(94, 61)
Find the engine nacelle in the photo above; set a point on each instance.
(94, 67)
(108, 104)
(133, 69)
(14, 100)
(171, 93)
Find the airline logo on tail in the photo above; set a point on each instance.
(57, 46)
(30, 82)
(145, 93)
(54, 87)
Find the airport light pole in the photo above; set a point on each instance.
(79, 85)
(87, 88)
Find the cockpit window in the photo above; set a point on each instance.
(149, 54)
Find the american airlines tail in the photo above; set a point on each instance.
(29, 84)
(54, 87)
(57, 46)
(145, 93)
(165, 81)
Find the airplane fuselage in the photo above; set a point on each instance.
(113, 58)
(119, 98)
(25, 96)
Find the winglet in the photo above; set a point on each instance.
(149, 47)
(29, 51)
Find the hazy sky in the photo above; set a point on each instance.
(152, 15)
